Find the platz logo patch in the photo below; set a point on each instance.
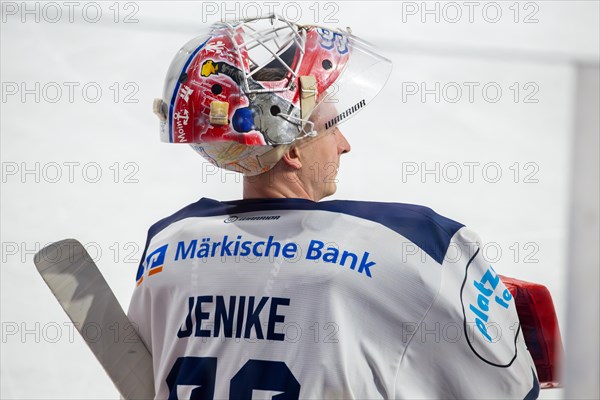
(490, 316)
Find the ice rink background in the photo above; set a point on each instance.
(522, 214)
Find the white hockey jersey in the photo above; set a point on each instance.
(289, 298)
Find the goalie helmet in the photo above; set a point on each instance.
(246, 91)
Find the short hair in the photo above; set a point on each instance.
(276, 69)
(267, 74)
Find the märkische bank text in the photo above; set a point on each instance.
(316, 251)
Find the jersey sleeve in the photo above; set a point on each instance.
(469, 344)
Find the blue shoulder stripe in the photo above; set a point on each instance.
(421, 225)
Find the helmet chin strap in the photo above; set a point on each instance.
(308, 99)
(308, 95)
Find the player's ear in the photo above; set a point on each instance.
(291, 158)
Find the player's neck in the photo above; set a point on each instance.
(275, 184)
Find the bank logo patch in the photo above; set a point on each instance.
(154, 262)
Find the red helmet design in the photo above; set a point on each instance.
(239, 91)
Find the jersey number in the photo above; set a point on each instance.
(255, 374)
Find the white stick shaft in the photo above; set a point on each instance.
(89, 302)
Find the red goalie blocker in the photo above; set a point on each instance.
(540, 327)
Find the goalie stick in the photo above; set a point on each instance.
(83, 293)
